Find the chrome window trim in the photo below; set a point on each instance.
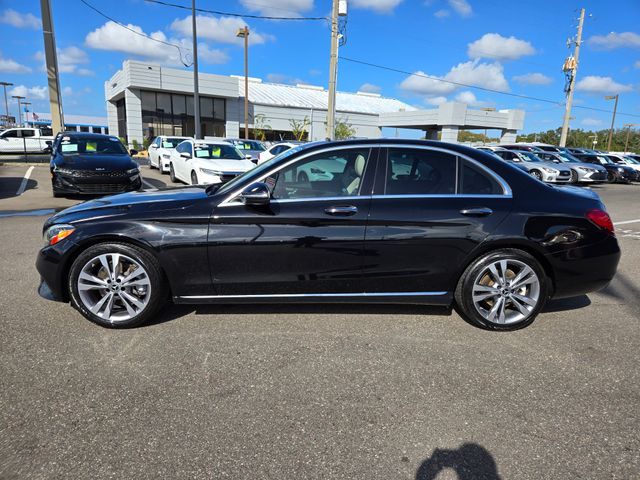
(316, 295)
(316, 199)
(230, 200)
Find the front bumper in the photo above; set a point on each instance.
(597, 176)
(51, 264)
(95, 185)
(561, 177)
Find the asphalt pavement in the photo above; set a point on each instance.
(306, 392)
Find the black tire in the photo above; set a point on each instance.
(574, 177)
(172, 174)
(303, 177)
(194, 178)
(157, 296)
(611, 178)
(537, 174)
(464, 291)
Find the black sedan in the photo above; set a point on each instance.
(91, 163)
(380, 221)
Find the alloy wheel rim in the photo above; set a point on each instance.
(114, 287)
(506, 292)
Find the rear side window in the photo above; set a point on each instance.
(27, 133)
(420, 172)
(475, 181)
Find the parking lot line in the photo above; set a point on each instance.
(147, 184)
(627, 221)
(25, 180)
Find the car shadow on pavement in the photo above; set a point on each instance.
(470, 462)
(155, 182)
(174, 312)
(565, 304)
(10, 185)
(623, 288)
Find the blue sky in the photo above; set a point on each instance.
(517, 47)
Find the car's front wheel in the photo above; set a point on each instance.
(502, 290)
(117, 285)
(172, 173)
(194, 178)
(537, 174)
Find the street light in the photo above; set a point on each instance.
(6, 104)
(244, 33)
(615, 107)
(26, 112)
(626, 143)
(18, 97)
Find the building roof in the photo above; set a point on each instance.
(309, 96)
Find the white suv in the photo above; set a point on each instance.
(160, 151)
(198, 162)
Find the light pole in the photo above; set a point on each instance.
(626, 143)
(18, 97)
(6, 104)
(613, 119)
(26, 112)
(196, 88)
(244, 33)
(571, 69)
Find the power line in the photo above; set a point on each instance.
(186, 64)
(460, 84)
(228, 14)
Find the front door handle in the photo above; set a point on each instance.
(476, 212)
(341, 210)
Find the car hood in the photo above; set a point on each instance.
(106, 163)
(595, 166)
(149, 200)
(226, 165)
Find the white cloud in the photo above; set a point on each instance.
(113, 37)
(380, 6)
(591, 122)
(69, 61)
(601, 85)
(20, 20)
(222, 30)
(466, 97)
(614, 40)
(72, 55)
(68, 91)
(37, 93)
(494, 45)
(637, 64)
(279, 8)
(435, 101)
(486, 75)
(461, 6)
(8, 65)
(442, 13)
(533, 79)
(370, 88)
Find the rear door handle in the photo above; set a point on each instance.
(476, 212)
(341, 210)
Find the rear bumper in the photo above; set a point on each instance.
(585, 269)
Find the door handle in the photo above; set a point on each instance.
(341, 210)
(476, 212)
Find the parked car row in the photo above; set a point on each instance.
(554, 164)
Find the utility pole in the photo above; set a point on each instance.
(6, 103)
(615, 107)
(244, 33)
(196, 88)
(51, 56)
(18, 97)
(626, 143)
(572, 67)
(333, 73)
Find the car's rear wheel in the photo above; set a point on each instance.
(194, 178)
(537, 174)
(116, 285)
(172, 173)
(502, 290)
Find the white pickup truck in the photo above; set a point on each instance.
(29, 140)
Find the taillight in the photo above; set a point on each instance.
(601, 219)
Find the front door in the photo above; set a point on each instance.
(308, 240)
(429, 211)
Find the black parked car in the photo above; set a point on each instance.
(91, 163)
(615, 173)
(389, 221)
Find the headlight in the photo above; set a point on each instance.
(132, 171)
(64, 171)
(549, 170)
(620, 169)
(208, 171)
(56, 233)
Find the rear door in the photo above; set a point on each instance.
(430, 209)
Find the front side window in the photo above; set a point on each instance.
(420, 172)
(184, 147)
(335, 173)
(10, 134)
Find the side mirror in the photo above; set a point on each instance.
(133, 152)
(185, 155)
(556, 161)
(153, 145)
(49, 142)
(256, 194)
(47, 149)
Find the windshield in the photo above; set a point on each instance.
(249, 145)
(91, 146)
(567, 158)
(530, 157)
(217, 151)
(616, 160)
(632, 160)
(171, 142)
(263, 167)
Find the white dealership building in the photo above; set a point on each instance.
(145, 100)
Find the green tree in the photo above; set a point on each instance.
(344, 129)
(299, 128)
(260, 127)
